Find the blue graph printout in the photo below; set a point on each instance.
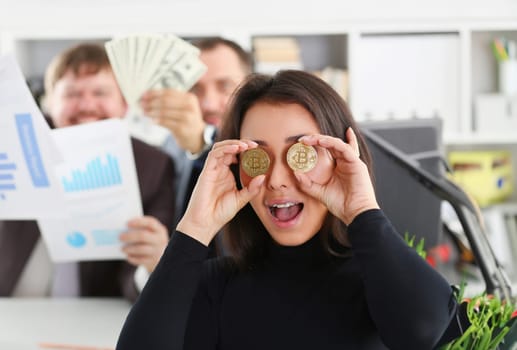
(7, 169)
(96, 174)
(31, 154)
(27, 153)
(99, 183)
(31, 151)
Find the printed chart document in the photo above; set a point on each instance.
(28, 188)
(100, 187)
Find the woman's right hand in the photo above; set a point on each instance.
(215, 199)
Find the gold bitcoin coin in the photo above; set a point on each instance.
(302, 157)
(255, 162)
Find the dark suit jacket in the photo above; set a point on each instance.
(155, 172)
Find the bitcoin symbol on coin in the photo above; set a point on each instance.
(302, 157)
(255, 162)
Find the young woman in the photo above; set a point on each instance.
(314, 262)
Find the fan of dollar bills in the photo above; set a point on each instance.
(152, 61)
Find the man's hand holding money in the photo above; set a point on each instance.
(169, 65)
(179, 112)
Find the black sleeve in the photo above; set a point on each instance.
(202, 332)
(411, 304)
(159, 317)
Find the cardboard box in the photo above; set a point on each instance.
(485, 175)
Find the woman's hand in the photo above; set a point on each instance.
(215, 199)
(349, 191)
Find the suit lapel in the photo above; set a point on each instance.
(17, 241)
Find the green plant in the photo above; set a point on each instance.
(488, 315)
(419, 247)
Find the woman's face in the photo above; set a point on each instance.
(291, 216)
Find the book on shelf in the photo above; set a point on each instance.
(275, 53)
(277, 42)
(273, 67)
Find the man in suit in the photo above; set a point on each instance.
(193, 117)
(81, 88)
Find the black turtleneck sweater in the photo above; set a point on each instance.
(383, 296)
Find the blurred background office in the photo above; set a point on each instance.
(395, 60)
(391, 60)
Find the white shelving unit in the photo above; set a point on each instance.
(396, 71)
(448, 61)
(443, 63)
(397, 68)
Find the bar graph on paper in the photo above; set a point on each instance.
(7, 168)
(96, 174)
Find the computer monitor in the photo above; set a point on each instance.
(410, 187)
(409, 206)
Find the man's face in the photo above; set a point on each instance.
(224, 73)
(83, 98)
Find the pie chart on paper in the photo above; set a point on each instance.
(76, 239)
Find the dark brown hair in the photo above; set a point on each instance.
(245, 236)
(210, 43)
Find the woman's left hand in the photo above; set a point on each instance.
(349, 191)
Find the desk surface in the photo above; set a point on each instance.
(26, 323)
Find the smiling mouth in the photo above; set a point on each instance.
(285, 211)
(86, 118)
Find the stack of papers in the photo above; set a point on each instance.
(79, 182)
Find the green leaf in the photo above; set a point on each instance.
(499, 338)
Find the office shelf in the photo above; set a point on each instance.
(395, 68)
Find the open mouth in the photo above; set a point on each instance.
(285, 211)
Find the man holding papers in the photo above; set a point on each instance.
(81, 88)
